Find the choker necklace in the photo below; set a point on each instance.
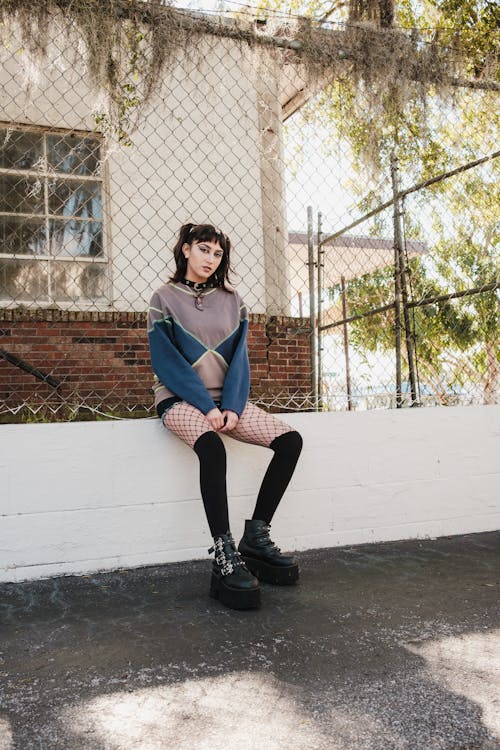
(196, 284)
(198, 288)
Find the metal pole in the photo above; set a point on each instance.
(397, 292)
(312, 305)
(320, 263)
(346, 347)
(399, 249)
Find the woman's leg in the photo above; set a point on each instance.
(191, 426)
(260, 428)
(231, 580)
(260, 553)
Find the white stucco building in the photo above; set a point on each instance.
(82, 233)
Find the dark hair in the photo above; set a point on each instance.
(198, 233)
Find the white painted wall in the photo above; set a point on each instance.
(83, 497)
(196, 158)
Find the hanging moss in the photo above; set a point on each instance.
(131, 45)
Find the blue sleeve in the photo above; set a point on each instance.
(173, 370)
(237, 382)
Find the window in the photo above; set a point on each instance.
(51, 227)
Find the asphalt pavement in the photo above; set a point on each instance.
(379, 647)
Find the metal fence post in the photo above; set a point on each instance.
(320, 263)
(401, 292)
(346, 346)
(312, 305)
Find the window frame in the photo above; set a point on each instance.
(48, 259)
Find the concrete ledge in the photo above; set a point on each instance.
(88, 496)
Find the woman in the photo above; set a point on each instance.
(197, 329)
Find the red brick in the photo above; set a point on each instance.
(115, 373)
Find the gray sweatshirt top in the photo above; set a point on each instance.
(199, 355)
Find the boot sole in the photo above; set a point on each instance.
(279, 575)
(234, 598)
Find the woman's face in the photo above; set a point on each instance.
(203, 259)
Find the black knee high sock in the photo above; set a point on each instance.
(212, 454)
(286, 449)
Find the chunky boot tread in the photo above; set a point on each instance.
(278, 574)
(233, 597)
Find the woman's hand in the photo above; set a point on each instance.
(230, 420)
(222, 421)
(216, 419)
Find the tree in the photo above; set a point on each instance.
(431, 132)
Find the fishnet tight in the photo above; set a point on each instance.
(254, 426)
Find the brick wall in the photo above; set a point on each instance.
(101, 360)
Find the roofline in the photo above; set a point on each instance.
(300, 238)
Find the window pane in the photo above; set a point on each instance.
(23, 280)
(20, 235)
(21, 194)
(71, 198)
(78, 281)
(76, 238)
(72, 154)
(19, 149)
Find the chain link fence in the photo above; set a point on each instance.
(407, 293)
(237, 137)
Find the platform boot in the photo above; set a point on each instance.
(232, 583)
(263, 558)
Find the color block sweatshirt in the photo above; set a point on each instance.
(199, 355)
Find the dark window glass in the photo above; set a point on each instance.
(19, 149)
(53, 212)
(21, 194)
(72, 154)
(19, 235)
(75, 238)
(72, 198)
